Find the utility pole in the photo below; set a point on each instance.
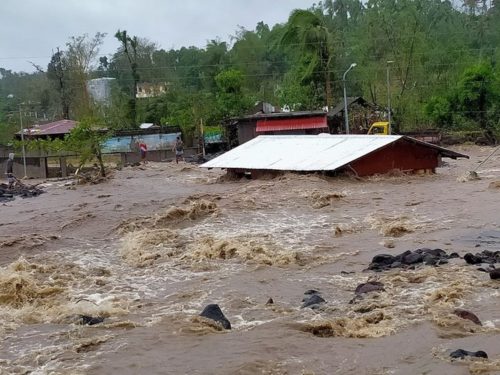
(389, 98)
(22, 141)
(345, 99)
(202, 135)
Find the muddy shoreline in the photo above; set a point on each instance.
(151, 247)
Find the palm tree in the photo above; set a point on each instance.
(308, 31)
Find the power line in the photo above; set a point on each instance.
(335, 42)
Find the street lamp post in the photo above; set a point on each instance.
(345, 100)
(22, 141)
(389, 98)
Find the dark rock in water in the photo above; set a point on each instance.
(453, 255)
(481, 354)
(461, 353)
(383, 259)
(408, 259)
(311, 291)
(495, 274)
(429, 260)
(484, 256)
(403, 254)
(370, 286)
(434, 252)
(214, 312)
(412, 258)
(472, 259)
(346, 272)
(464, 314)
(312, 301)
(270, 301)
(90, 320)
(381, 262)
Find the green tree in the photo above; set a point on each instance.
(86, 139)
(477, 96)
(80, 56)
(473, 101)
(307, 32)
(231, 100)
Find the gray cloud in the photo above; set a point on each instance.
(32, 29)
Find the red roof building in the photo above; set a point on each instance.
(297, 123)
(268, 125)
(52, 129)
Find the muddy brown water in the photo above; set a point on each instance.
(151, 247)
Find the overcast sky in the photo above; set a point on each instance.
(32, 29)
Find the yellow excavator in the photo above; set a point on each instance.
(429, 135)
(379, 128)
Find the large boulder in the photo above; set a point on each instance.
(90, 320)
(464, 314)
(484, 256)
(381, 262)
(412, 258)
(495, 274)
(409, 259)
(312, 300)
(214, 312)
(370, 286)
(433, 252)
(472, 259)
(461, 353)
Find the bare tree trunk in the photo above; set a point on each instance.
(101, 163)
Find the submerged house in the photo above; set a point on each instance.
(361, 155)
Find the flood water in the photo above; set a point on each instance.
(149, 261)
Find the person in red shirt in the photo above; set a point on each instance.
(144, 150)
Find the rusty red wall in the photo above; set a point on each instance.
(402, 154)
(246, 131)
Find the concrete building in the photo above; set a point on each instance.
(100, 89)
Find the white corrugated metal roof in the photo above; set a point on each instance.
(324, 152)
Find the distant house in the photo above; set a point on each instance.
(361, 115)
(248, 127)
(150, 90)
(269, 120)
(56, 129)
(148, 125)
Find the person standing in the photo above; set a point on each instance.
(144, 150)
(179, 150)
(9, 171)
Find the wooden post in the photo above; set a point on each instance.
(63, 166)
(43, 167)
(123, 158)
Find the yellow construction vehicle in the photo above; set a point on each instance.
(379, 128)
(428, 135)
